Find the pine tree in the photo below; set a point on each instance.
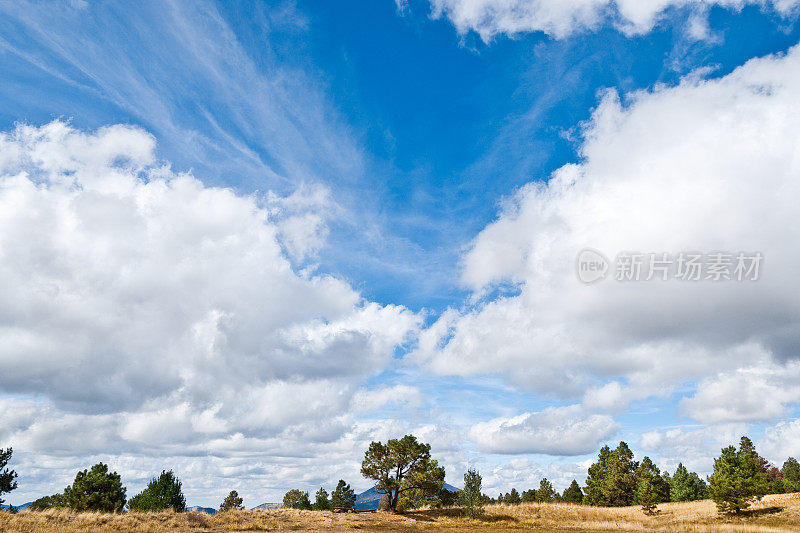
(48, 502)
(513, 497)
(791, 475)
(545, 493)
(96, 490)
(231, 502)
(470, 497)
(596, 480)
(612, 479)
(321, 502)
(7, 476)
(647, 496)
(649, 477)
(343, 497)
(163, 492)
(528, 495)
(402, 465)
(739, 478)
(621, 484)
(681, 489)
(296, 499)
(305, 503)
(686, 486)
(573, 493)
(414, 499)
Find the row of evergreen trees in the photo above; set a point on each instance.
(616, 479)
(97, 489)
(545, 493)
(740, 476)
(342, 497)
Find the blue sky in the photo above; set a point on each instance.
(393, 152)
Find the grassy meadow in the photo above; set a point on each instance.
(780, 512)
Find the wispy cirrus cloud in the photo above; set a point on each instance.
(266, 110)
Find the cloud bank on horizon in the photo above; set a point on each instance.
(153, 320)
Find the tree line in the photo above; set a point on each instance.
(407, 477)
(740, 477)
(99, 490)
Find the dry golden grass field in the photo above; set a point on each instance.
(774, 513)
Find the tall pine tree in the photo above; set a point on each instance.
(612, 479)
(321, 501)
(686, 486)
(658, 486)
(739, 478)
(343, 497)
(545, 493)
(470, 497)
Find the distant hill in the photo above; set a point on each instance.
(267, 506)
(369, 499)
(207, 510)
(19, 507)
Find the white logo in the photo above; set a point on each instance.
(592, 266)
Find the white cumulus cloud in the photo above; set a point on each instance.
(703, 166)
(781, 441)
(554, 431)
(750, 394)
(157, 313)
(561, 18)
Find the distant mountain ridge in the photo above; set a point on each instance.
(207, 510)
(19, 507)
(267, 506)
